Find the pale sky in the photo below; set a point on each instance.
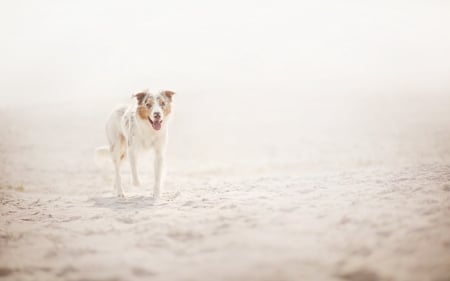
(71, 50)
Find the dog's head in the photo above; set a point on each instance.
(154, 108)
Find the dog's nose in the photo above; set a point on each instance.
(157, 115)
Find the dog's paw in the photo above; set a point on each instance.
(136, 183)
(120, 195)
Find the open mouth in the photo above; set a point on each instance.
(155, 124)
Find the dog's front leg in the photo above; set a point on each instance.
(159, 172)
(132, 146)
(132, 155)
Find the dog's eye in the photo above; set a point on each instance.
(163, 104)
(149, 105)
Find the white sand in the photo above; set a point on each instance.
(354, 189)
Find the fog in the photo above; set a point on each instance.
(87, 50)
(303, 84)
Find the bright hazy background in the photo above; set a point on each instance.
(265, 86)
(65, 50)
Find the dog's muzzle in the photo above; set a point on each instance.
(156, 124)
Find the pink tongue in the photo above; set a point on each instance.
(156, 125)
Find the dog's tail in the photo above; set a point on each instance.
(101, 156)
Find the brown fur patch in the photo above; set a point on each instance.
(142, 112)
(122, 141)
(167, 109)
(164, 102)
(122, 147)
(140, 97)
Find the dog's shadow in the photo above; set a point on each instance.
(130, 202)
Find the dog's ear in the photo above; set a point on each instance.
(140, 96)
(168, 94)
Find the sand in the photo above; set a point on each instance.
(343, 188)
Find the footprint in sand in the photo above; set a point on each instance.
(228, 206)
(72, 218)
(184, 235)
(360, 275)
(66, 271)
(4, 271)
(189, 203)
(126, 220)
(142, 272)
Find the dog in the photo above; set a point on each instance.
(134, 128)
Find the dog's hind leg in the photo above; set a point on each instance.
(118, 151)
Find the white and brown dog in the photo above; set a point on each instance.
(142, 126)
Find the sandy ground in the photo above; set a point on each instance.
(287, 188)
